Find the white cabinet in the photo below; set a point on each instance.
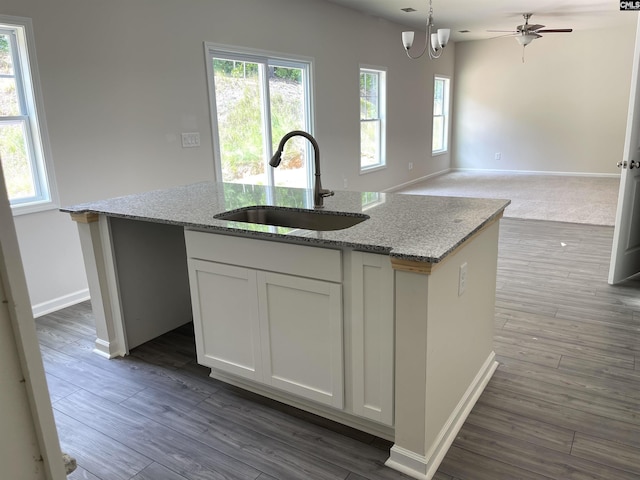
(225, 311)
(273, 325)
(301, 329)
(372, 336)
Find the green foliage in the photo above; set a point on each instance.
(285, 73)
(235, 69)
(240, 133)
(238, 69)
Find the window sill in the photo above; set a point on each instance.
(372, 169)
(26, 209)
(439, 153)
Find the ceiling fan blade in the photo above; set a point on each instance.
(556, 30)
(502, 31)
(528, 28)
(504, 35)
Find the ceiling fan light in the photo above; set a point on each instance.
(443, 36)
(407, 39)
(526, 38)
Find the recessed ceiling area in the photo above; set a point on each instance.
(479, 16)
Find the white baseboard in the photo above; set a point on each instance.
(59, 303)
(537, 172)
(417, 180)
(107, 349)
(424, 467)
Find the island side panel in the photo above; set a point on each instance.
(460, 356)
(152, 276)
(93, 230)
(453, 336)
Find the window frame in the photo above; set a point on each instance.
(381, 72)
(446, 109)
(214, 50)
(29, 92)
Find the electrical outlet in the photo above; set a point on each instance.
(410, 165)
(462, 279)
(190, 140)
(346, 183)
(498, 156)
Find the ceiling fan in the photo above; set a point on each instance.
(527, 33)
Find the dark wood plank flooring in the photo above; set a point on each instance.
(564, 403)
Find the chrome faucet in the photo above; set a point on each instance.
(318, 192)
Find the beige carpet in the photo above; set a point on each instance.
(590, 200)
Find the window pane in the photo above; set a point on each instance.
(258, 101)
(438, 97)
(239, 107)
(9, 105)
(17, 169)
(369, 99)
(369, 143)
(6, 61)
(440, 115)
(438, 134)
(287, 95)
(372, 112)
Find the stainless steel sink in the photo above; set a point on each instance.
(293, 218)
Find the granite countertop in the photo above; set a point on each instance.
(409, 227)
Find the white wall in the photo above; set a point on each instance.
(122, 79)
(563, 110)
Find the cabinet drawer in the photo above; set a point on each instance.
(313, 262)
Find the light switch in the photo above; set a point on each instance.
(190, 140)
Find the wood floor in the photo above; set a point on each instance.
(564, 403)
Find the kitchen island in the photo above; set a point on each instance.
(386, 325)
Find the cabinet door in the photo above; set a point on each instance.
(372, 336)
(301, 326)
(225, 317)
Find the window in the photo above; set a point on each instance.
(440, 142)
(372, 118)
(23, 149)
(256, 98)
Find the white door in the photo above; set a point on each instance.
(301, 331)
(225, 318)
(625, 255)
